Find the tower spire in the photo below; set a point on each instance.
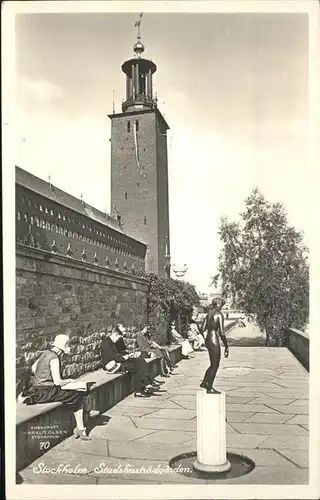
(138, 46)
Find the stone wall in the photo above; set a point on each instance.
(298, 344)
(54, 291)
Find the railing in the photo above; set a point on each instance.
(298, 344)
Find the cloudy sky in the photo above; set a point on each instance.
(233, 88)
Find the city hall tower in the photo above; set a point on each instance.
(139, 163)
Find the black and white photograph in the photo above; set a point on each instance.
(160, 194)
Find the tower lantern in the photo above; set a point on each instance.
(139, 73)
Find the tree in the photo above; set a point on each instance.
(168, 299)
(264, 268)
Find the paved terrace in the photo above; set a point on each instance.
(267, 420)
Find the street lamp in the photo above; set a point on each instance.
(180, 272)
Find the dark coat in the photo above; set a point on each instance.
(136, 366)
(109, 352)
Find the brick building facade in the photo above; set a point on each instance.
(52, 220)
(139, 164)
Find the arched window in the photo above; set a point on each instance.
(137, 125)
(125, 195)
(128, 126)
(18, 215)
(25, 216)
(40, 208)
(51, 212)
(145, 220)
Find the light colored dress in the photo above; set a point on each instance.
(186, 348)
(195, 336)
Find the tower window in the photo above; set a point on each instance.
(145, 220)
(138, 184)
(125, 195)
(128, 126)
(137, 125)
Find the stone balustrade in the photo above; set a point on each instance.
(298, 344)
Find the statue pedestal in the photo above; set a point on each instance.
(211, 433)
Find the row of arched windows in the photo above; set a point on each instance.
(126, 247)
(111, 243)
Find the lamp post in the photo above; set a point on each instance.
(167, 262)
(181, 271)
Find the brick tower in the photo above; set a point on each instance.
(139, 163)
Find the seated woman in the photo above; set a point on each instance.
(132, 363)
(47, 385)
(150, 348)
(194, 334)
(186, 348)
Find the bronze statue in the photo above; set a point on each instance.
(214, 324)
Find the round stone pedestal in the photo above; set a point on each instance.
(211, 433)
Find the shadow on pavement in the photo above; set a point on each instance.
(97, 421)
(246, 341)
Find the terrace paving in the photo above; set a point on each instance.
(267, 420)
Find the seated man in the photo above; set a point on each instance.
(120, 344)
(133, 363)
(186, 348)
(150, 348)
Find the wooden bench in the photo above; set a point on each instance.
(55, 417)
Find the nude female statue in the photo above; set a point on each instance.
(214, 324)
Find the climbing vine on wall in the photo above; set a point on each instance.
(168, 299)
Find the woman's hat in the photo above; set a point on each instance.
(112, 366)
(61, 342)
